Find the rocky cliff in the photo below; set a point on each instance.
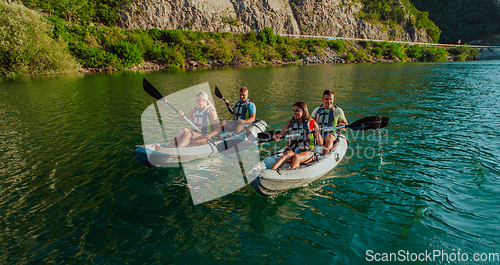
(302, 17)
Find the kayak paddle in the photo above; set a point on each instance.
(232, 146)
(384, 122)
(367, 123)
(219, 95)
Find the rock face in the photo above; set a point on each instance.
(336, 18)
(210, 15)
(339, 18)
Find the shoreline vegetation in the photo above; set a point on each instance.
(37, 44)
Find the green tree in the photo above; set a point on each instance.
(337, 45)
(26, 46)
(79, 11)
(266, 35)
(129, 54)
(414, 51)
(175, 37)
(433, 54)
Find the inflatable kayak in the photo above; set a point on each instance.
(269, 182)
(151, 156)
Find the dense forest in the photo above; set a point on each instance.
(476, 21)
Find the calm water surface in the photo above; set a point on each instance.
(72, 193)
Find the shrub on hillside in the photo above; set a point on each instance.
(266, 35)
(337, 45)
(423, 21)
(414, 51)
(80, 11)
(141, 38)
(93, 57)
(250, 36)
(155, 34)
(26, 46)
(349, 57)
(376, 52)
(172, 55)
(175, 37)
(154, 52)
(282, 40)
(433, 54)
(360, 55)
(128, 53)
(396, 50)
(463, 53)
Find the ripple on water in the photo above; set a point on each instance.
(72, 193)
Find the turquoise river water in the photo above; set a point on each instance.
(424, 189)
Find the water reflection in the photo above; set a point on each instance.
(71, 192)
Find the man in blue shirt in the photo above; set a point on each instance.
(244, 112)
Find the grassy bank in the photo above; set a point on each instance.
(52, 45)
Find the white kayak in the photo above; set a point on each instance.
(151, 156)
(269, 182)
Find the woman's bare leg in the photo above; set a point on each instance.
(186, 139)
(329, 140)
(181, 139)
(287, 157)
(301, 158)
(198, 139)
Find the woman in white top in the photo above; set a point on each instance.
(204, 117)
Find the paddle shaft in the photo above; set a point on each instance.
(286, 136)
(326, 129)
(367, 123)
(354, 124)
(151, 90)
(184, 117)
(231, 110)
(219, 95)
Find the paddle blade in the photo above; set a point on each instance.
(384, 122)
(265, 136)
(218, 93)
(230, 147)
(150, 89)
(367, 123)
